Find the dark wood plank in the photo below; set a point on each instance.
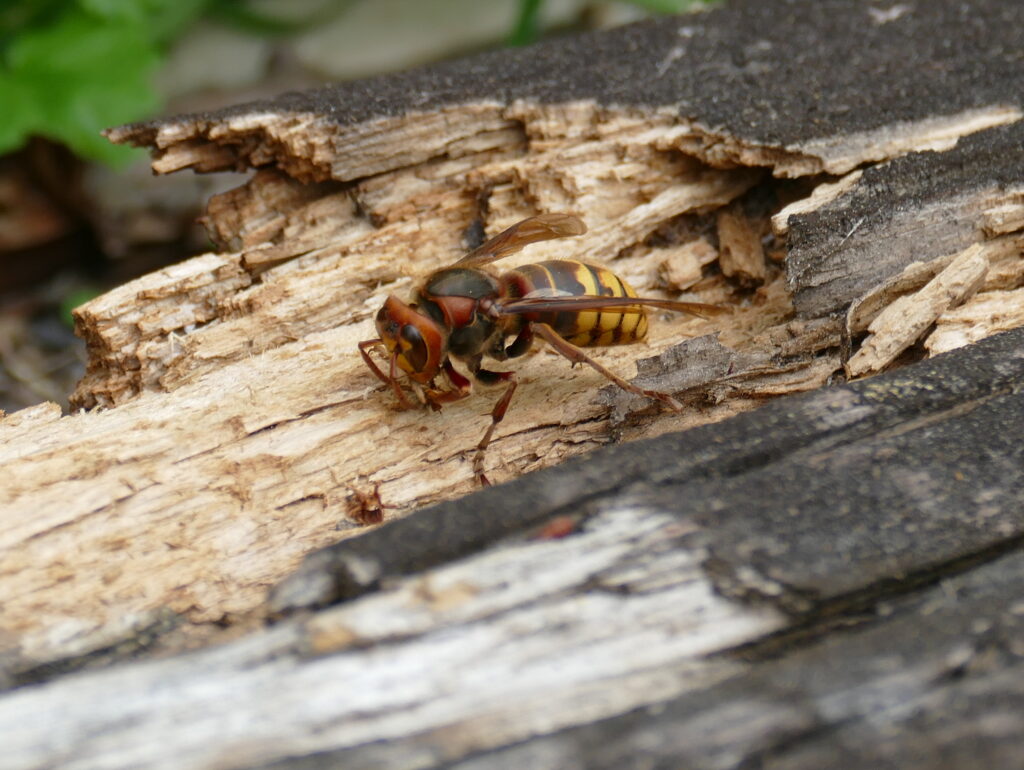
(934, 681)
(914, 208)
(796, 473)
(801, 78)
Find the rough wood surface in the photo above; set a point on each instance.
(902, 322)
(934, 681)
(246, 431)
(229, 428)
(699, 621)
(976, 319)
(791, 458)
(912, 209)
(745, 85)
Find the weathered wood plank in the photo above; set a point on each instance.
(738, 77)
(616, 600)
(615, 643)
(240, 426)
(934, 681)
(785, 461)
(912, 209)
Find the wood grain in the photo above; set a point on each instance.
(739, 593)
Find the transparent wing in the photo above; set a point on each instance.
(544, 227)
(611, 304)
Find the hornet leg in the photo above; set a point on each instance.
(577, 356)
(388, 379)
(521, 344)
(366, 345)
(437, 397)
(497, 415)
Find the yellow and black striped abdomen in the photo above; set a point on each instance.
(560, 278)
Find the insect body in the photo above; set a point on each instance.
(466, 312)
(569, 278)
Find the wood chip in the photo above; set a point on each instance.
(683, 266)
(981, 316)
(1005, 217)
(912, 278)
(741, 254)
(1005, 263)
(903, 322)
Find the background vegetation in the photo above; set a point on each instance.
(69, 68)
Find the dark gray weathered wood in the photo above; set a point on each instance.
(913, 208)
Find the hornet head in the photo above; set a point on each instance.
(414, 341)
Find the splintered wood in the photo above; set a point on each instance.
(610, 599)
(314, 260)
(739, 243)
(981, 316)
(232, 426)
(901, 323)
(951, 300)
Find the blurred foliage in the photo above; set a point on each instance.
(673, 6)
(76, 296)
(70, 68)
(527, 27)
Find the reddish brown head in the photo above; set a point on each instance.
(415, 342)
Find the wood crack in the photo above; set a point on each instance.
(813, 621)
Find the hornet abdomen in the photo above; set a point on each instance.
(561, 278)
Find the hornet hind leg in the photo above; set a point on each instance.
(577, 356)
(497, 415)
(520, 346)
(571, 352)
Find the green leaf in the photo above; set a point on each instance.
(76, 297)
(162, 20)
(672, 6)
(79, 42)
(527, 28)
(75, 77)
(20, 113)
(23, 14)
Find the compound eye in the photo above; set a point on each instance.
(414, 349)
(387, 327)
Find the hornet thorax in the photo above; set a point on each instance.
(458, 298)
